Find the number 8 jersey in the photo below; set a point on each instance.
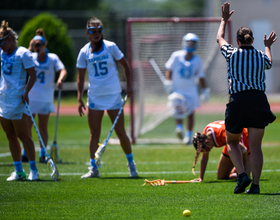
(101, 66)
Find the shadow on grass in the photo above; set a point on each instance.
(269, 194)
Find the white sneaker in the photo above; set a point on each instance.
(16, 175)
(91, 173)
(187, 140)
(33, 175)
(132, 169)
(180, 133)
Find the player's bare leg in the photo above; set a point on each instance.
(255, 136)
(224, 167)
(120, 130)
(94, 121)
(124, 141)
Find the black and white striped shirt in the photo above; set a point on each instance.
(246, 68)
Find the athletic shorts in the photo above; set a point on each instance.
(105, 102)
(12, 108)
(42, 108)
(248, 109)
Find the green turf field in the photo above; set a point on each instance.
(116, 196)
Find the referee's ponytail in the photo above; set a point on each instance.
(245, 35)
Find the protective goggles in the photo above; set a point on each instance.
(2, 40)
(93, 30)
(39, 44)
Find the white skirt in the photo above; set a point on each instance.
(105, 102)
(42, 108)
(12, 108)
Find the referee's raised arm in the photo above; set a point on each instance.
(221, 31)
(268, 42)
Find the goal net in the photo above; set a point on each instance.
(158, 38)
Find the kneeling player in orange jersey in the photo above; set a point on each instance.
(214, 135)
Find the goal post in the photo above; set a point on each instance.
(158, 38)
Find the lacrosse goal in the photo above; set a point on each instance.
(158, 38)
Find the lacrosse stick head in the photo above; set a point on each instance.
(54, 153)
(55, 173)
(98, 154)
(178, 106)
(158, 182)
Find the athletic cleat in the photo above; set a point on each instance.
(132, 169)
(16, 175)
(233, 173)
(24, 159)
(180, 133)
(91, 174)
(254, 189)
(242, 182)
(33, 175)
(232, 176)
(233, 170)
(187, 140)
(43, 159)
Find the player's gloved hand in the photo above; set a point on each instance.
(205, 95)
(168, 86)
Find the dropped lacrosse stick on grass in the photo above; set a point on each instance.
(101, 149)
(54, 147)
(51, 164)
(163, 182)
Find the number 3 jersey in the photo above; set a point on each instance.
(43, 89)
(13, 71)
(101, 66)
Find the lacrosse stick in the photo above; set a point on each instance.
(55, 174)
(163, 182)
(167, 84)
(54, 147)
(157, 70)
(101, 149)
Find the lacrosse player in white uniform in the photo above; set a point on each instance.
(16, 62)
(183, 69)
(41, 95)
(104, 91)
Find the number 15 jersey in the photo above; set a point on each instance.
(101, 66)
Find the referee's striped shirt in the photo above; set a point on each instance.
(246, 68)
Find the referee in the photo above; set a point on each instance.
(248, 106)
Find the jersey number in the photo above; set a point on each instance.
(41, 77)
(185, 73)
(7, 67)
(100, 69)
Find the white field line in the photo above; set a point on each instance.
(72, 145)
(140, 173)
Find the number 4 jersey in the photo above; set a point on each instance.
(102, 71)
(43, 89)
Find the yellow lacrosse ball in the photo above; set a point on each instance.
(187, 213)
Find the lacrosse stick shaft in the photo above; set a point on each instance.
(178, 182)
(157, 70)
(57, 114)
(55, 173)
(102, 147)
(116, 120)
(37, 130)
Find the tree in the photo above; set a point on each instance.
(56, 36)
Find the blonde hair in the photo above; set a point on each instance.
(5, 30)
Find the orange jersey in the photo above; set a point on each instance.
(218, 130)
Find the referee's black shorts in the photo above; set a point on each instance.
(248, 109)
